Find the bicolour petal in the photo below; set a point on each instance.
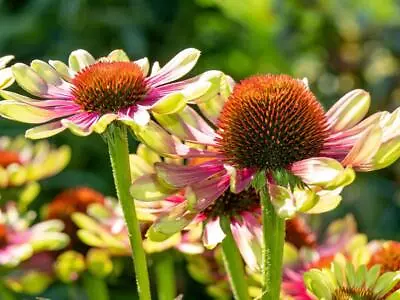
(150, 188)
(239, 178)
(181, 176)
(118, 55)
(187, 125)
(29, 80)
(47, 72)
(327, 201)
(177, 67)
(156, 138)
(172, 222)
(323, 171)
(65, 72)
(45, 131)
(282, 201)
(213, 234)
(6, 78)
(80, 59)
(101, 125)
(170, 103)
(27, 113)
(317, 170)
(349, 110)
(387, 154)
(365, 148)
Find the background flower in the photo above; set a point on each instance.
(89, 94)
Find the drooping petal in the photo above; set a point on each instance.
(48, 73)
(6, 78)
(181, 176)
(155, 137)
(365, 148)
(101, 125)
(5, 60)
(29, 80)
(207, 191)
(249, 245)
(282, 201)
(349, 110)
(178, 66)
(187, 125)
(149, 188)
(27, 113)
(323, 171)
(388, 153)
(80, 59)
(65, 72)
(170, 223)
(45, 131)
(327, 201)
(170, 103)
(213, 234)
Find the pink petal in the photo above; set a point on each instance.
(181, 176)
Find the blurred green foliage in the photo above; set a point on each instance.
(338, 45)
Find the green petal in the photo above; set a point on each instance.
(388, 153)
(62, 69)
(327, 201)
(44, 131)
(372, 276)
(170, 104)
(48, 73)
(149, 188)
(365, 148)
(6, 78)
(118, 55)
(386, 282)
(101, 125)
(349, 110)
(80, 59)
(76, 129)
(25, 113)
(29, 80)
(5, 60)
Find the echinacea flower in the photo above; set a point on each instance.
(19, 241)
(102, 226)
(173, 212)
(89, 94)
(340, 238)
(274, 123)
(345, 281)
(33, 276)
(68, 202)
(387, 255)
(22, 161)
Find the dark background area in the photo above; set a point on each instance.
(338, 45)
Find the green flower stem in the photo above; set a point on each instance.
(274, 239)
(95, 287)
(165, 275)
(233, 263)
(5, 293)
(117, 140)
